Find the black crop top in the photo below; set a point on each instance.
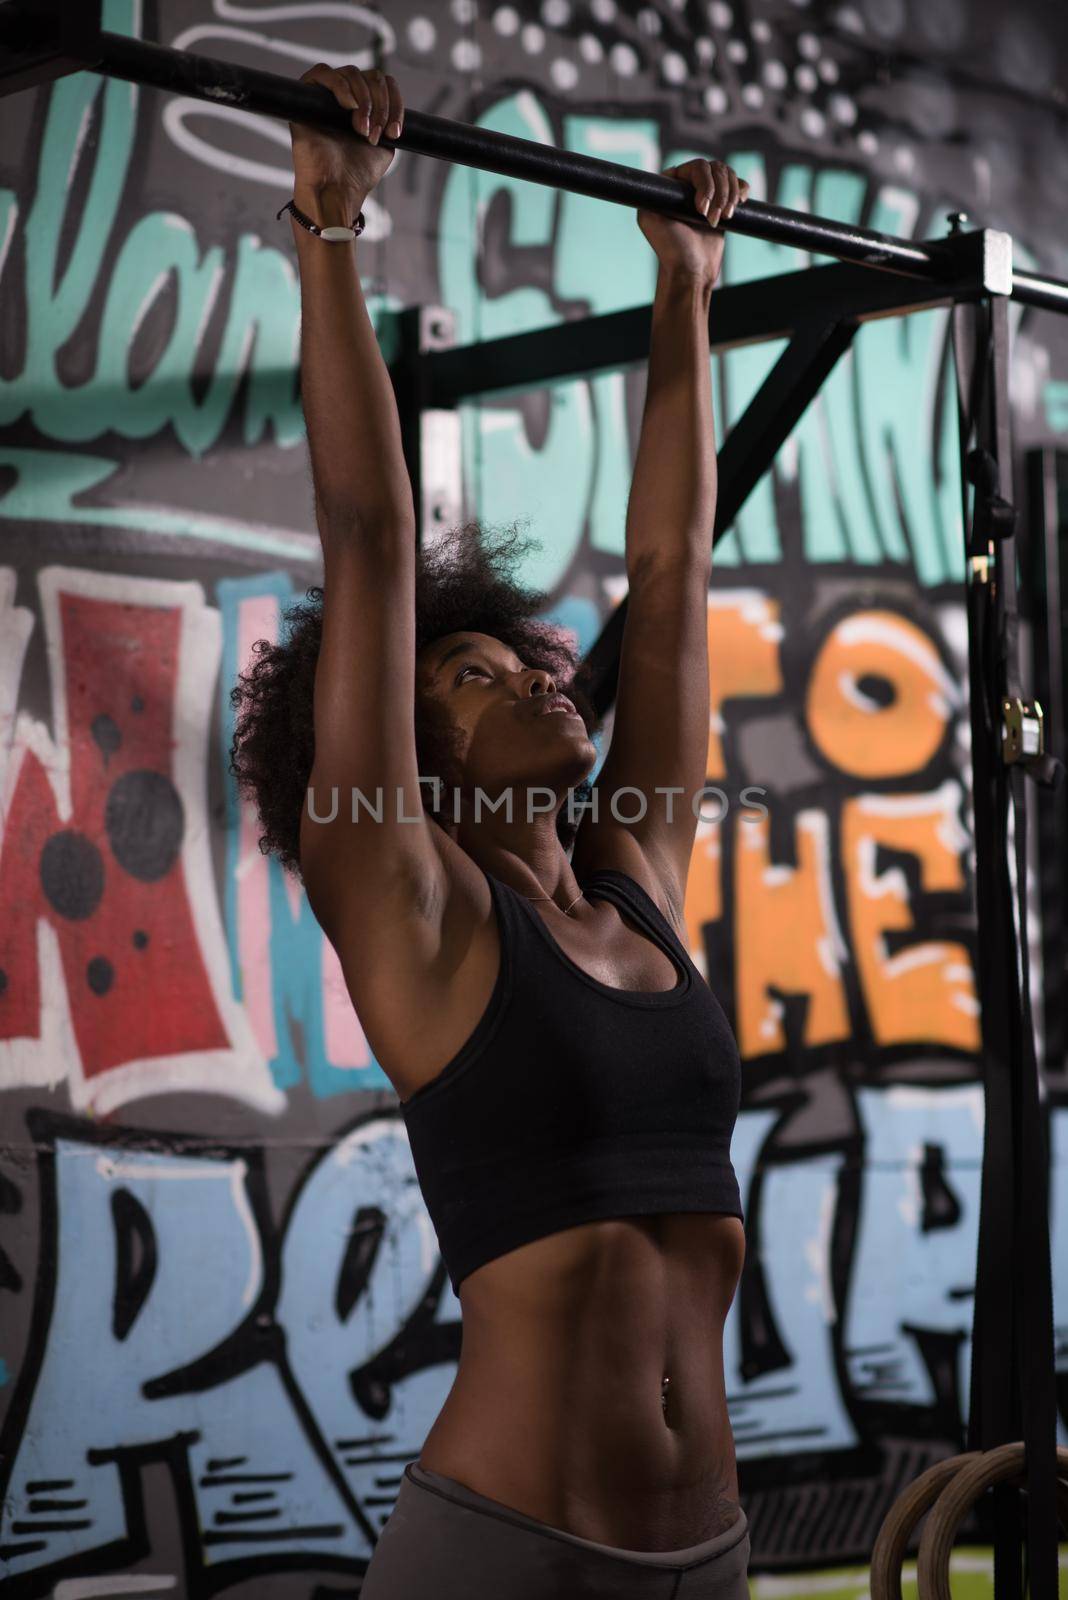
(573, 1101)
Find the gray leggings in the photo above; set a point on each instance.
(444, 1540)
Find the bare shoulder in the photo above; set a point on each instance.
(419, 961)
(401, 915)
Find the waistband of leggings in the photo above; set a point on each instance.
(671, 1560)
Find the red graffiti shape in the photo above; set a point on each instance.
(110, 880)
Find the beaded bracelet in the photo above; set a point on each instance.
(331, 235)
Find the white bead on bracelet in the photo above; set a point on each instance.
(332, 235)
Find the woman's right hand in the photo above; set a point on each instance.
(343, 160)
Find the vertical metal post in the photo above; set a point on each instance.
(432, 460)
(1045, 560)
(408, 375)
(1013, 1390)
(442, 442)
(993, 1412)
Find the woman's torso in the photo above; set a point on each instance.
(558, 1408)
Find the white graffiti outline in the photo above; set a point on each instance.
(113, 1584)
(235, 1172)
(238, 1069)
(176, 111)
(379, 224)
(367, 15)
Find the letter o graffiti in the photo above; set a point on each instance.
(879, 700)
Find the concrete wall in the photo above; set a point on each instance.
(224, 1326)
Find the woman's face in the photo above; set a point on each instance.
(510, 725)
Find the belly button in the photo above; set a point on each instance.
(664, 1394)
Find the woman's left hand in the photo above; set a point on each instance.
(679, 245)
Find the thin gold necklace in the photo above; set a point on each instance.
(566, 909)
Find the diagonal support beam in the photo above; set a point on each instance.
(773, 413)
(747, 453)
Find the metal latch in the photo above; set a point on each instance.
(1023, 734)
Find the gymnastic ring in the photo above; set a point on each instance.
(1004, 1464)
(888, 1551)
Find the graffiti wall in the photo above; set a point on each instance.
(224, 1324)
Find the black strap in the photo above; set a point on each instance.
(637, 902)
(1033, 1279)
(356, 226)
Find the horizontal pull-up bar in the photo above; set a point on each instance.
(1048, 294)
(48, 41)
(251, 90)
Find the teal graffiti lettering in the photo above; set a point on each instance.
(871, 467)
(509, 477)
(621, 272)
(160, 250)
(1055, 397)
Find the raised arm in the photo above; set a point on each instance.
(365, 675)
(354, 434)
(660, 730)
(672, 502)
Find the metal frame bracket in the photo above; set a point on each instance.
(1023, 730)
(430, 436)
(985, 255)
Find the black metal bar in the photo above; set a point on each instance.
(598, 673)
(1049, 294)
(747, 453)
(249, 89)
(1012, 1382)
(745, 313)
(408, 375)
(46, 41)
(79, 40)
(1045, 564)
(773, 413)
(991, 1412)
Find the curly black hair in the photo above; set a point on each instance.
(464, 581)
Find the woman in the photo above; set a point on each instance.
(568, 1080)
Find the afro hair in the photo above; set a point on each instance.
(465, 581)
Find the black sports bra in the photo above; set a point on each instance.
(573, 1101)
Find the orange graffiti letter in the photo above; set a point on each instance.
(922, 991)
